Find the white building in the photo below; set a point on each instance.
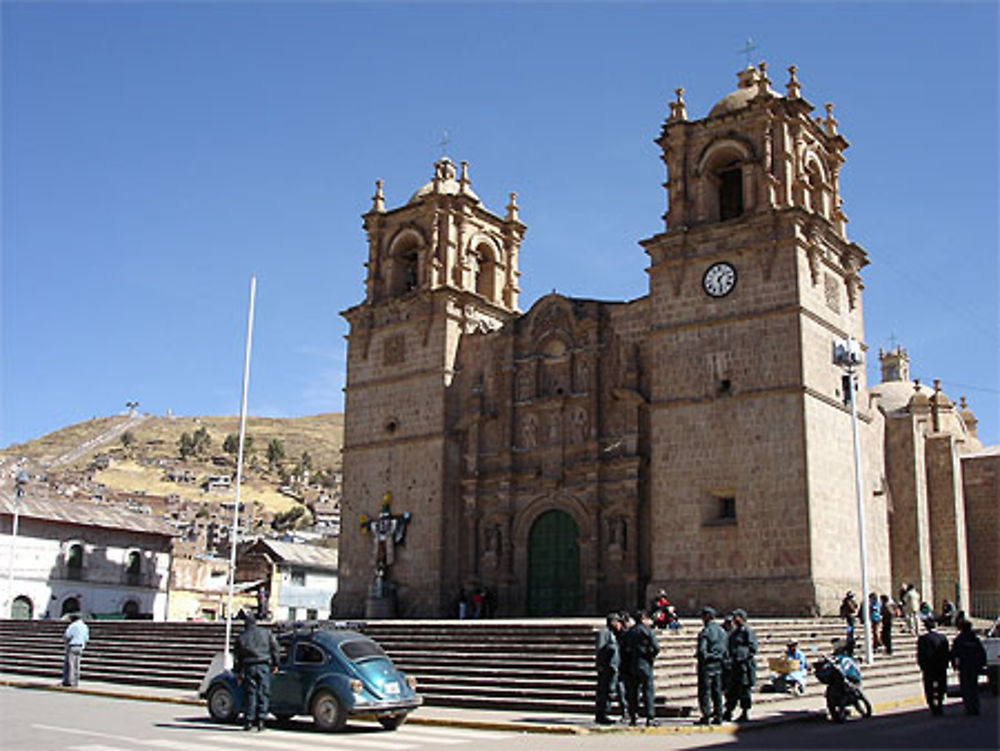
(303, 578)
(76, 556)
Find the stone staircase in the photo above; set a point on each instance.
(524, 665)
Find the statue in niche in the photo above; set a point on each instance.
(617, 531)
(578, 425)
(524, 390)
(554, 431)
(582, 376)
(493, 541)
(387, 530)
(529, 432)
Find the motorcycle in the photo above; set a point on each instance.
(842, 677)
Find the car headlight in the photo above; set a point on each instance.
(356, 686)
(411, 682)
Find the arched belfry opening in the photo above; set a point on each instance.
(404, 265)
(485, 271)
(730, 188)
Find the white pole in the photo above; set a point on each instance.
(18, 494)
(859, 489)
(239, 474)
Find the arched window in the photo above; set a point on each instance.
(70, 605)
(130, 610)
(730, 187)
(22, 608)
(133, 570)
(74, 561)
(486, 271)
(404, 265)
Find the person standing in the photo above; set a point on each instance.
(608, 659)
(256, 657)
(75, 637)
(641, 649)
(711, 653)
(969, 658)
(875, 613)
(848, 611)
(932, 657)
(911, 606)
(624, 664)
(887, 616)
(743, 656)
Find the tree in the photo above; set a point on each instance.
(275, 452)
(128, 439)
(232, 442)
(185, 445)
(194, 444)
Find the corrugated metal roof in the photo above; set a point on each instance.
(301, 554)
(86, 514)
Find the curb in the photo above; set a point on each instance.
(799, 716)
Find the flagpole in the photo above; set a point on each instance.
(239, 474)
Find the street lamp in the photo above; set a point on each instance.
(847, 354)
(19, 482)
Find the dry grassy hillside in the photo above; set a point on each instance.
(154, 445)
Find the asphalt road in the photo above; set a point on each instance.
(51, 721)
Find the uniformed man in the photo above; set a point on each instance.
(256, 657)
(641, 648)
(711, 653)
(608, 660)
(969, 658)
(625, 618)
(743, 659)
(932, 657)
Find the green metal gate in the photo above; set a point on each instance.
(554, 565)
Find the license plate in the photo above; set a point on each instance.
(391, 687)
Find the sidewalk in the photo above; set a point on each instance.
(806, 709)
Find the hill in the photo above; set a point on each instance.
(142, 449)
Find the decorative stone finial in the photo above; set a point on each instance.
(763, 82)
(830, 123)
(512, 209)
(378, 200)
(464, 179)
(962, 403)
(937, 385)
(916, 384)
(793, 88)
(678, 110)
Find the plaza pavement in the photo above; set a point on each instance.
(889, 699)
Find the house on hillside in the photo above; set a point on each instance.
(199, 589)
(302, 578)
(76, 556)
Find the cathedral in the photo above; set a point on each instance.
(583, 454)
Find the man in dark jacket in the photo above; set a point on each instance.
(641, 648)
(743, 658)
(969, 658)
(608, 659)
(256, 657)
(711, 653)
(887, 616)
(932, 657)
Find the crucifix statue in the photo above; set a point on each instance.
(387, 531)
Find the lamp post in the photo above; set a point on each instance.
(19, 482)
(847, 354)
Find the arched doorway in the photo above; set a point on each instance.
(130, 610)
(21, 609)
(70, 605)
(554, 565)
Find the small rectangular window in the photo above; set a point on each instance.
(297, 577)
(727, 509)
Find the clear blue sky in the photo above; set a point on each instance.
(157, 154)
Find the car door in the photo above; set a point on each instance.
(309, 662)
(286, 688)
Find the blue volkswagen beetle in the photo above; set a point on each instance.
(329, 674)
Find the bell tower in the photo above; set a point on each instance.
(749, 284)
(439, 266)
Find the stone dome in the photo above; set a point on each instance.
(749, 80)
(444, 171)
(896, 395)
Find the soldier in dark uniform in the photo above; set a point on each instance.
(969, 658)
(608, 660)
(711, 653)
(256, 657)
(641, 648)
(743, 658)
(932, 657)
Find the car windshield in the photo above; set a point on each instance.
(361, 649)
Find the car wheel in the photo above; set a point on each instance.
(327, 711)
(221, 704)
(392, 722)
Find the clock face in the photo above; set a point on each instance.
(719, 279)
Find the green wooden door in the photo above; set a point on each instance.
(20, 609)
(554, 565)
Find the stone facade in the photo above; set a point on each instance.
(581, 455)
